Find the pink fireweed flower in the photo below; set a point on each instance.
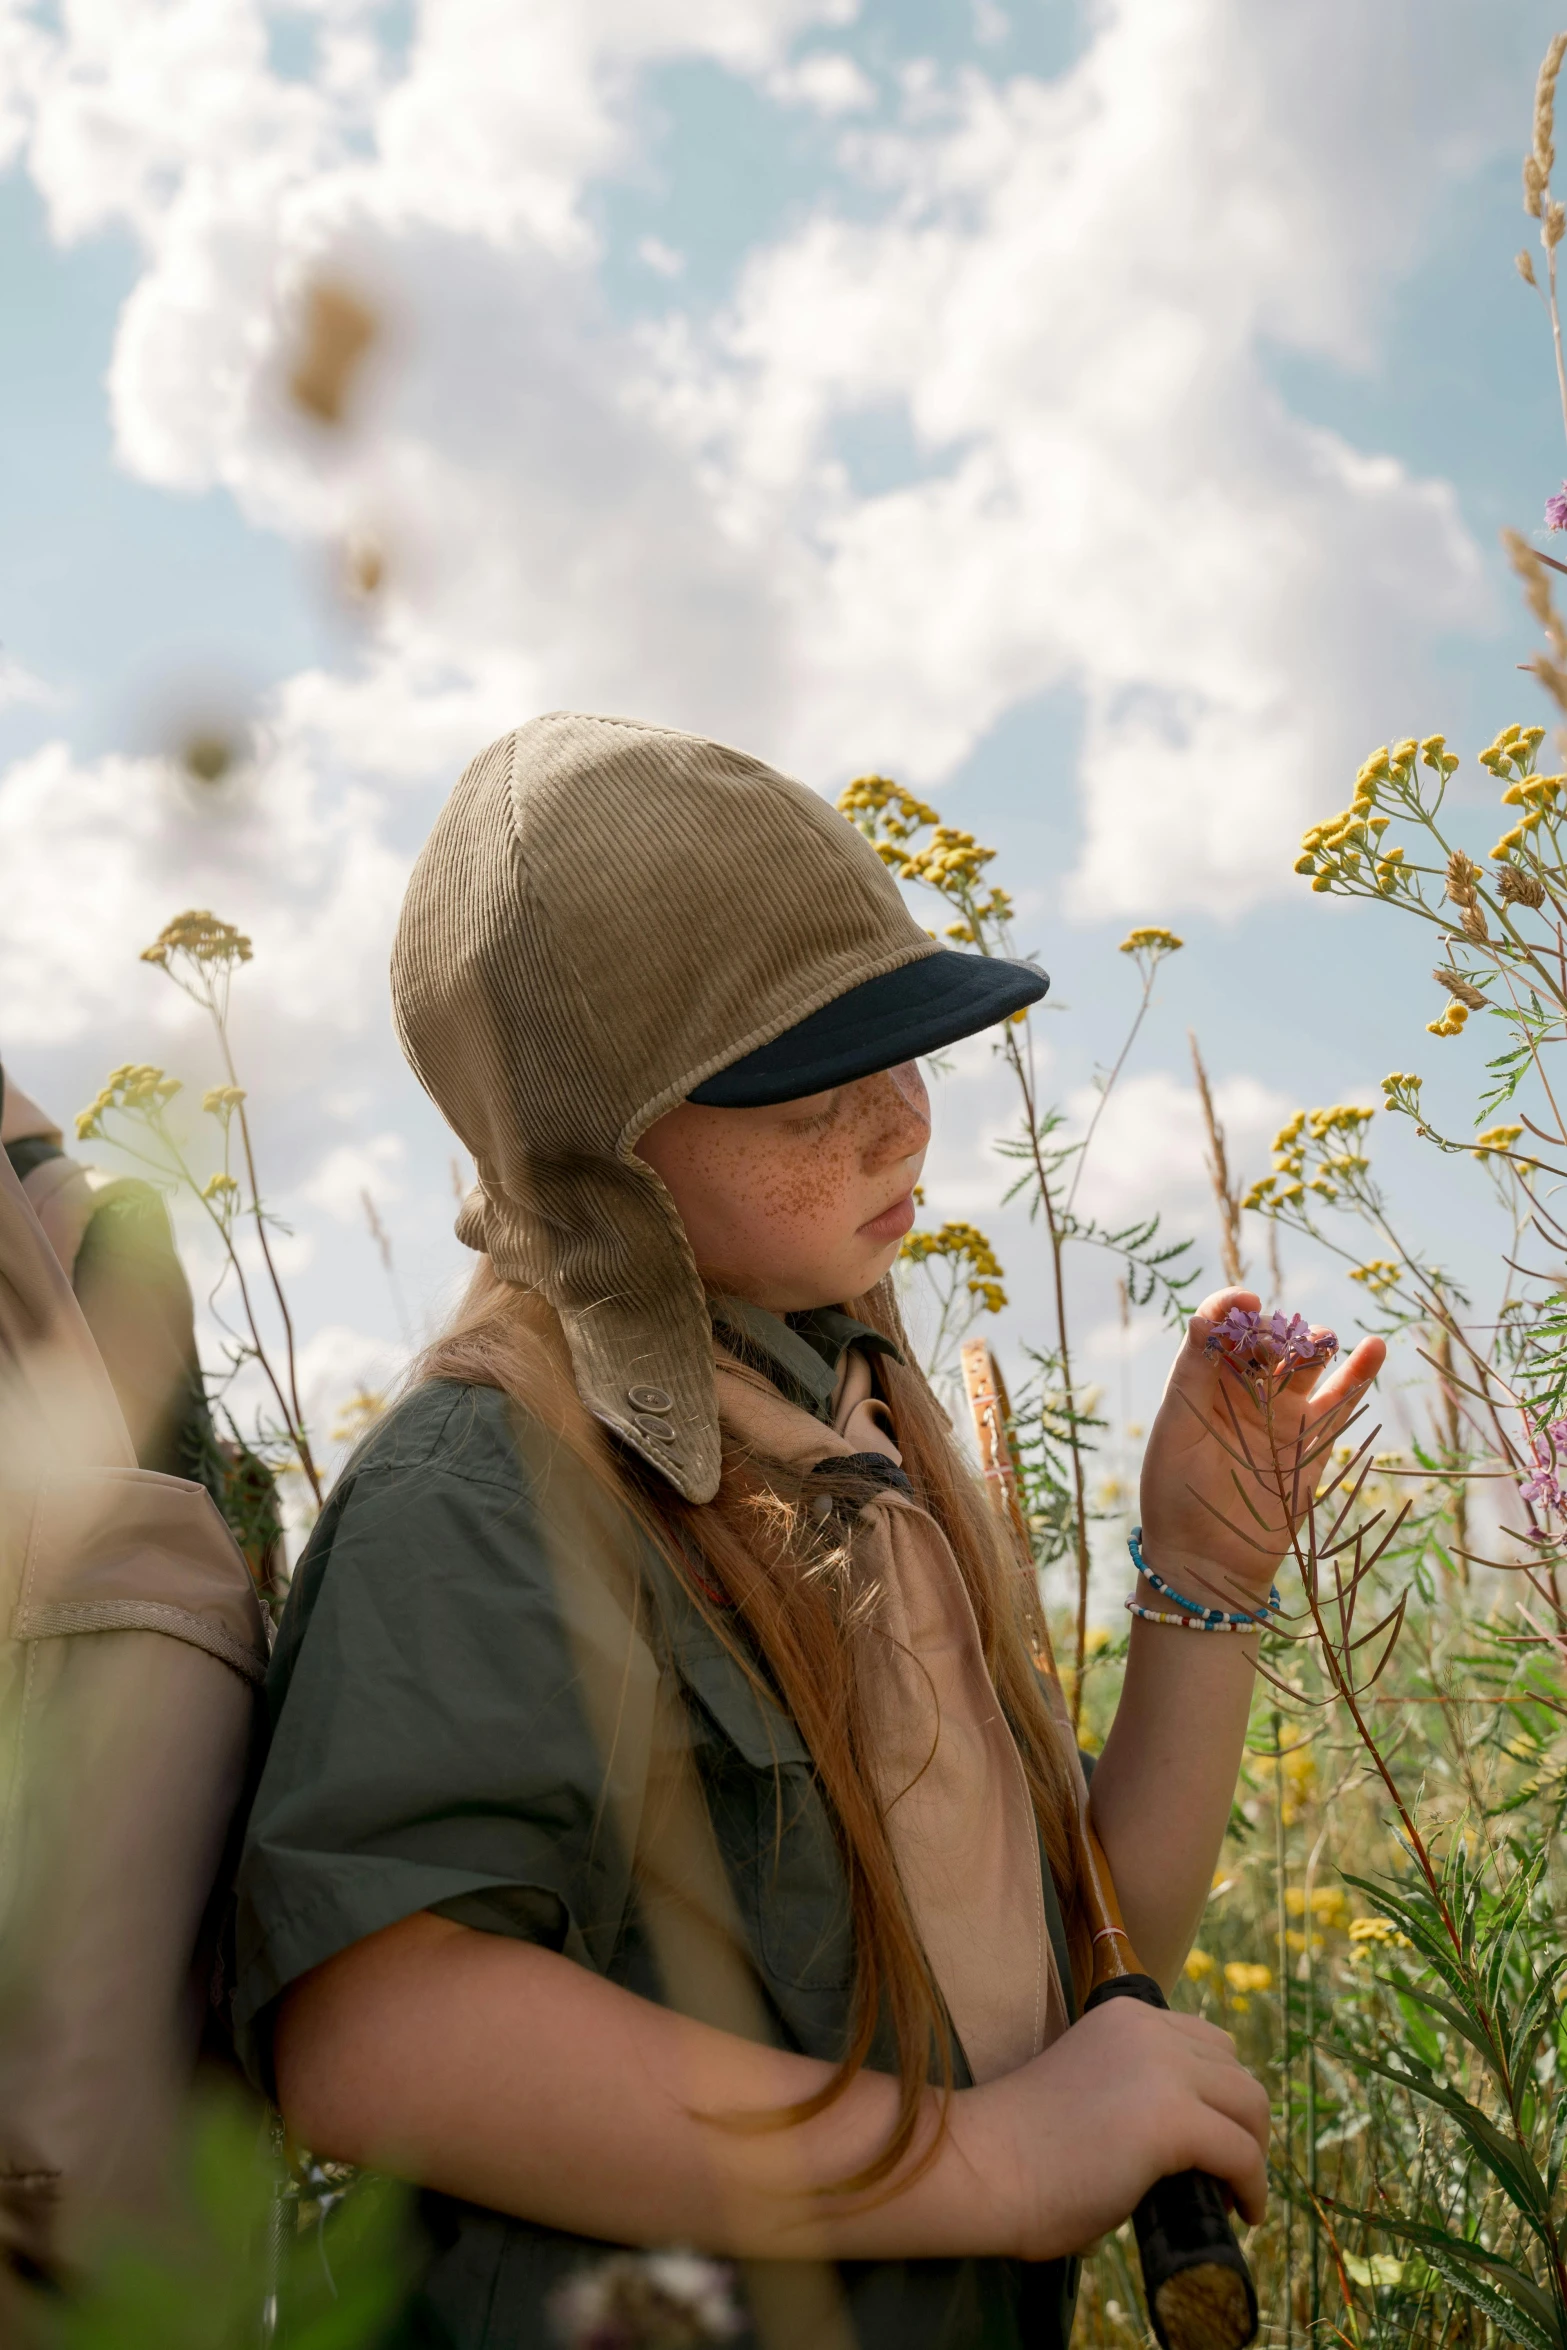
(1556, 510)
(1269, 1342)
(1548, 1450)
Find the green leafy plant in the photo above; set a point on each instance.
(1053, 1437)
(237, 2265)
(961, 1277)
(201, 955)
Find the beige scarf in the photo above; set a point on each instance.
(948, 1774)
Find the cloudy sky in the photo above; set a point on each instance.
(1100, 417)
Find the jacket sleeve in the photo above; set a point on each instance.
(430, 1745)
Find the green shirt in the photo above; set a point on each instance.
(430, 1746)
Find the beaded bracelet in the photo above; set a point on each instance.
(1196, 1618)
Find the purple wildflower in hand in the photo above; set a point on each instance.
(1269, 1342)
(1548, 1448)
(1556, 510)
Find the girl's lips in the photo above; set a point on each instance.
(893, 1222)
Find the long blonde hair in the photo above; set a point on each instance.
(755, 1553)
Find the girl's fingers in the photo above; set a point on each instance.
(1212, 2039)
(1227, 2134)
(1226, 2084)
(1242, 2099)
(1231, 2153)
(1213, 1309)
(1344, 1387)
(1195, 1371)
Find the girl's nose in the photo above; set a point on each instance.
(902, 1112)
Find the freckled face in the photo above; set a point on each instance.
(804, 1203)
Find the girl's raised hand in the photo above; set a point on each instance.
(1214, 1527)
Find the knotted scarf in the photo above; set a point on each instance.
(946, 1768)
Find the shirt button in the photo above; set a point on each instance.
(649, 1399)
(659, 1428)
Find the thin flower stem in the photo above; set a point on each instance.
(1287, 2072)
(1369, 1203)
(202, 967)
(1556, 324)
(224, 1231)
(1321, 2213)
(1342, 1678)
(1024, 1076)
(1496, 906)
(1109, 1084)
(1314, 2217)
(1533, 1043)
(295, 1415)
(938, 1345)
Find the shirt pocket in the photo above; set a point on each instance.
(770, 1818)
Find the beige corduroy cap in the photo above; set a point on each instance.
(606, 914)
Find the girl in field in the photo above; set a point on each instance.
(664, 1837)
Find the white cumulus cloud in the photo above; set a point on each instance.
(98, 855)
(1149, 1150)
(1054, 305)
(354, 1171)
(1067, 291)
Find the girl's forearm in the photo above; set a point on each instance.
(511, 2077)
(1163, 1787)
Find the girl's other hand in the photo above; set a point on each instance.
(1129, 2095)
(1199, 1533)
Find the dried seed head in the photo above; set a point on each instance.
(1533, 186)
(1472, 922)
(1550, 669)
(1462, 875)
(1525, 269)
(1555, 223)
(1531, 572)
(1456, 984)
(1516, 888)
(1545, 104)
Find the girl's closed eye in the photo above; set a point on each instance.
(807, 1119)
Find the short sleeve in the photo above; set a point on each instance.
(430, 1746)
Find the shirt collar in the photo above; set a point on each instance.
(800, 1353)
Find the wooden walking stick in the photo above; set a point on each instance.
(1199, 2288)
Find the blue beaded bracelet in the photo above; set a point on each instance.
(1196, 1618)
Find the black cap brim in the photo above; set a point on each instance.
(899, 1017)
